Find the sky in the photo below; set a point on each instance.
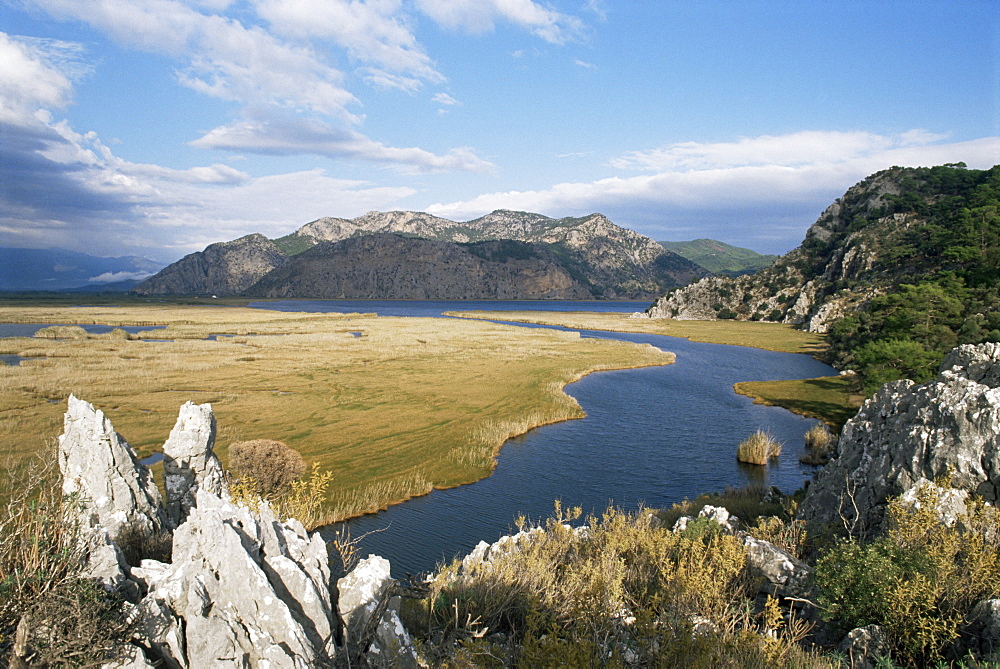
(157, 127)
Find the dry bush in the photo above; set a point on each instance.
(758, 448)
(819, 445)
(266, 466)
(619, 590)
(64, 619)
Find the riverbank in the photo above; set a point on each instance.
(830, 399)
(393, 406)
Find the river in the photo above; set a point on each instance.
(652, 436)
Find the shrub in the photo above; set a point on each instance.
(58, 617)
(819, 445)
(619, 591)
(758, 448)
(266, 468)
(919, 581)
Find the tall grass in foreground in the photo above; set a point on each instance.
(758, 448)
(617, 591)
(50, 615)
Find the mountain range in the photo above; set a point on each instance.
(62, 270)
(413, 255)
(721, 258)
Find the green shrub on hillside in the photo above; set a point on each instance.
(919, 581)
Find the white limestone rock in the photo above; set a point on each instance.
(907, 433)
(243, 589)
(360, 593)
(102, 472)
(189, 463)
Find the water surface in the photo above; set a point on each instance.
(652, 436)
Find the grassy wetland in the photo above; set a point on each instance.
(832, 399)
(391, 406)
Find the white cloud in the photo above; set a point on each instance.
(770, 175)
(268, 131)
(110, 277)
(445, 99)
(373, 32)
(480, 16)
(28, 81)
(223, 58)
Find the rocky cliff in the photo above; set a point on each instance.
(388, 266)
(226, 268)
(879, 234)
(907, 434)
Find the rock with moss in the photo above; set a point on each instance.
(906, 433)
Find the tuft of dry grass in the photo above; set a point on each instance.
(267, 467)
(819, 445)
(758, 448)
(413, 404)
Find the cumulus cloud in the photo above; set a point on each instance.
(480, 16)
(771, 183)
(374, 33)
(269, 131)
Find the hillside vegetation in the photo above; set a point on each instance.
(899, 270)
(720, 258)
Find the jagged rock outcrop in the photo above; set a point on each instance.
(226, 268)
(189, 462)
(101, 471)
(370, 612)
(388, 266)
(243, 587)
(907, 433)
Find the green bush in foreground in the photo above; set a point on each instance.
(919, 581)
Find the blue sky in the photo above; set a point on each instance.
(156, 127)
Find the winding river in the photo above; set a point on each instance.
(652, 436)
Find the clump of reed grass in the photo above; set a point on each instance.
(819, 445)
(758, 448)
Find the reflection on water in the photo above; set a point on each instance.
(10, 360)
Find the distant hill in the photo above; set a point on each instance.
(608, 261)
(390, 266)
(720, 258)
(900, 269)
(60, 270)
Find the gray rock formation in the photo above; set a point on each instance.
(99, 469)
(907, 433)
(242, 589)
(783, 575)
(864, 645)
(369, 609)
(189, 463)
(226, 268)
(982, 635)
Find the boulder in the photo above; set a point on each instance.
(907, 433)
(982, 636)
(189, 463)
(783, 574)
(101, 471)
(863, 645)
